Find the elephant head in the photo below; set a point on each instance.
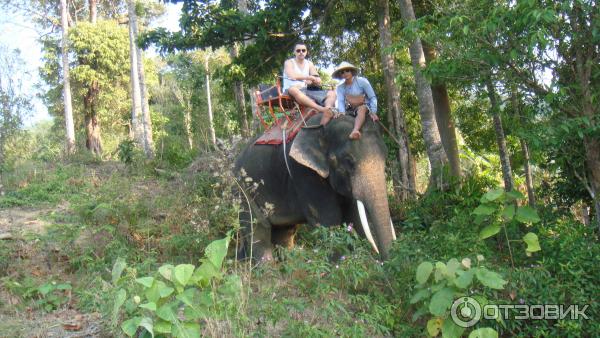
(355, 169)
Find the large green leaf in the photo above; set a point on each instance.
(532, 242)
(490, 279)
(187, 297)
(527, 214)
(452, 266)
(130, 326)
(147, 324)
(440, 271)
(486, 332)
(204, 273)
(145, 281)
(423, 272)
(158, 290)
(451, 330)
(441, 301)
(117, 269)
(514, 195)
(489, 231)
(434, 326)
(508, 212)
(167, 271)
(216, 251)
(150, 306)
(484, 210)
(420, 295)
(120, 298)
(162, 326)
(167, 312)
(186, 330)
(183, 273)
(465, 279)
(492, 195)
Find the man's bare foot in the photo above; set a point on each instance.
(354, 135)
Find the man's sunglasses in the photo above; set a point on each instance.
(300, 50)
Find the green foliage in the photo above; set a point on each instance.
(499, 210)
(439, 286)
(197, 293)
(125, 151)
(42, 185)
(48, 296)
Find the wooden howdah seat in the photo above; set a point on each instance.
(285, 115)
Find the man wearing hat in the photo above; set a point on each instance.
(299, 75)
(355, 97)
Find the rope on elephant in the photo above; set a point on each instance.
(389, 133)
(284, 147)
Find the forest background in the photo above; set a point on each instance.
(492, 127)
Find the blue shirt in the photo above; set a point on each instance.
(359, 86)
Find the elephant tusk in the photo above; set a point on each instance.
(393, 231)
(365, 224)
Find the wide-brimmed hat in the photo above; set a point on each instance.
(343, 66)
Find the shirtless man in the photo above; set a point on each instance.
(298, 73)
(355, 97)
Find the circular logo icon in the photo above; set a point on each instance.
(465, 312)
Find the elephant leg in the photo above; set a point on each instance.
(256, 234)
(284, 236)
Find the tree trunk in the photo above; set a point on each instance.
(516, 102)
(240, 98)
(187, 121)
(396, 115)
(431, 134)
(146, 120)
(136, 99)
(92, 125)
(93, 4)
(443, 116)
(69, 125)
(500, 139)
(213, 137)
(585, 57)
(528, 176)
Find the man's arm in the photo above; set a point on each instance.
(312, 70)
(291, 73)
(371, 98)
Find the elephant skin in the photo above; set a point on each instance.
(318, 182)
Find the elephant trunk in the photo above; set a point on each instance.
(369, 186)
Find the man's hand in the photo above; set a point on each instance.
(374, 117)
(313, 80)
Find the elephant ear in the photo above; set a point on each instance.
(307, 150)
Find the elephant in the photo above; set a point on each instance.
(321, 177)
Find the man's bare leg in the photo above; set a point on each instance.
(304, 100)
(329, 103)
(361, 114)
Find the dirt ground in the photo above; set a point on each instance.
(18, 230)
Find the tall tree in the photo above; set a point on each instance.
(137, 128)
(139, 83)
(395, 115)
(93, 10)
(443, 116)
(101, 52)
(211, 123)
(69, 125)
(435, 150)
(500, 138)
